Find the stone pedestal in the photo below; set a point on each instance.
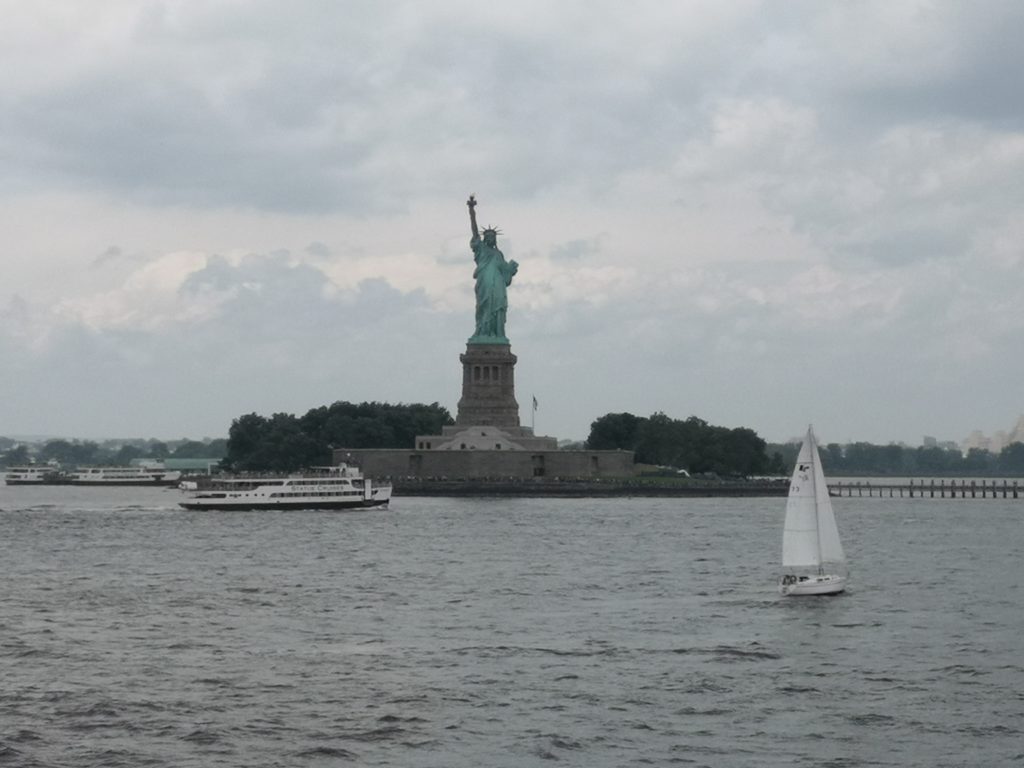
(488, 387)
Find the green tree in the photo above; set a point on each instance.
(832, 458)
(693, 453)
(246, 438)
(936, 461)
(978, 461)
(1011, 459)
(127, 453)
(746, 452)
(656, 441)
(286, 442)
(70, 453)
(188, 449)
(691, 444)
(157, 449)
(276, 444)
(216, 449)
(787, 453)
(614, 431)
(16, 456)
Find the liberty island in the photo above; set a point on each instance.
(487, 439)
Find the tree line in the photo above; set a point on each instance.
(698, 447)
(866, 459)
(14, 453)
(285, 442)
(690, 444)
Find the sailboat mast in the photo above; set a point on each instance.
(817, 507)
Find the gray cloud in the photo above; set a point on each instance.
(279, 343)
(574, 249)
(113, 253)
(318, 249)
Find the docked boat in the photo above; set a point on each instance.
(35, 474)
(330, 488)
(813, 562)
(141, 475)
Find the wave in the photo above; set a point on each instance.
(328, 752)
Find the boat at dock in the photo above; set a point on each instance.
(141, 475)
(35, 474)
(328, 488)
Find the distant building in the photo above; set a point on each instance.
(1017, 433)
(998, 441)
(188, 465)
(193, 466)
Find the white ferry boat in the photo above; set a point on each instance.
(340, 487)
(141, 475)
(36, 474)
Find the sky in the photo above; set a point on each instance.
(762, 214)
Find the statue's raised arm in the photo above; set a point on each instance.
(472, 216)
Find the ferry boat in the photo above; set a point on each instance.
(333, 488)
(36, 474)
(141, 475)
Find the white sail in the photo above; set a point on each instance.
(810, 536)
(829, 546)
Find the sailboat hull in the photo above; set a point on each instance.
(826, 584)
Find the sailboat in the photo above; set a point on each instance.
(813, 562)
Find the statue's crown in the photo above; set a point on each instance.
(492, 230)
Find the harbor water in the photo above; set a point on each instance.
(490, 632)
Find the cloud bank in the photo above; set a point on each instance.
(760, 214)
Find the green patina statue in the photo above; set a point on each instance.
(493, 275)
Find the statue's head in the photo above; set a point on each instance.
(491, 235)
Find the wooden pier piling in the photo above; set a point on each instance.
(930, 489)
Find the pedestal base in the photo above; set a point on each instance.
(488, 387)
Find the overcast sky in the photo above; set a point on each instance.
(764, 214)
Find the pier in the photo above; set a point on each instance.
(577, 487)
(927, 489)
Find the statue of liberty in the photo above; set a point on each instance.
(493, 275)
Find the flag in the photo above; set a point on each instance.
(535, 402)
